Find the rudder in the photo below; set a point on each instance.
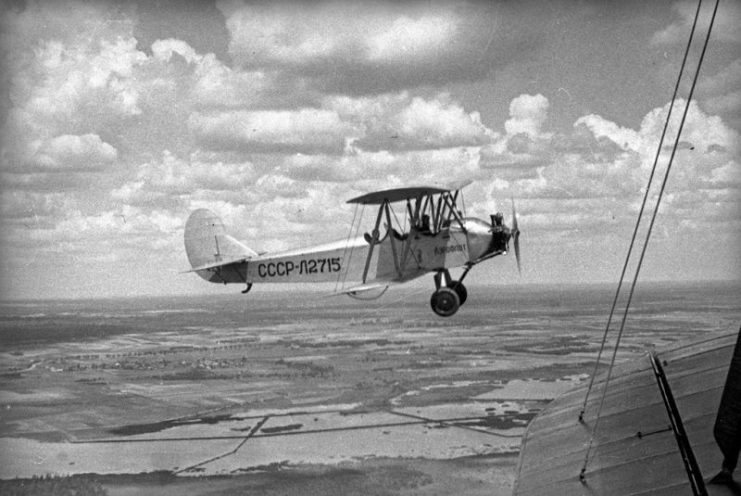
(206, 242)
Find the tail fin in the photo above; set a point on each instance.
(206, 243)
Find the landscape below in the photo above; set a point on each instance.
(287, 393)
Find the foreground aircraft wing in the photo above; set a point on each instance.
(659, 426)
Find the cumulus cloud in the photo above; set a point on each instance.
(307, 130)
(74, 81)
(369, 170)
(164, 50)
(525, 146)
(600, 127)
(701, 130)
(609, 164)
(307, 34)
(345, 46)
(63, 96)
(527, 114)
(406, 38)
(345, 125)
(398, 122)
(109, 143)
(67, 152)
(171, 182)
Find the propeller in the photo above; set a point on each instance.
(515, 234)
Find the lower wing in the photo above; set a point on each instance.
(380, 284)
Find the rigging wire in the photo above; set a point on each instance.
(648, 234)
(640, 215)
(347, 244)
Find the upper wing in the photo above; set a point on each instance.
(400, 194)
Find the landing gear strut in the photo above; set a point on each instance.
(446, 300)
(458, 286)
(460, 290)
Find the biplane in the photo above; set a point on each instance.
(434, 237)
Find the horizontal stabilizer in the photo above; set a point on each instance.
(214, 265)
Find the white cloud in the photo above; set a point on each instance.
(701, 130)
(74, 81)
(525, 147)
(307, 129)
(64, 96)
(171, 182)
(358, 33)
(600, 127)
(593, 178)
(217, 85)
(398, 122)
(527, 114)
(163, 50)
(268, 34)
(440, 123)
(32, 209)
(367, 48)
(407, 38)
(372, 170)
(727, 175)
(319, 103)
(69, 152)
(345, 124)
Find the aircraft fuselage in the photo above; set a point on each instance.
(395, 257)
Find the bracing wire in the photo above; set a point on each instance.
(640, 215)
(648, 234)
(347, 244)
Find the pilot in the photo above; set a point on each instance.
(497, 221)
(499, 236)
(425, 227)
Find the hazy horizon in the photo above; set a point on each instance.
(415, 288)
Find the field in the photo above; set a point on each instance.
(300, 393)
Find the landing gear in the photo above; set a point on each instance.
(445, 302)
(446, 299)
(460, 290)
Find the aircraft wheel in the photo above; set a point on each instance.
(445, 302)
(460, 290)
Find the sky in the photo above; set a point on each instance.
(119, 118)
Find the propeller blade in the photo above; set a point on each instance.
(517, 251)
(516, 235)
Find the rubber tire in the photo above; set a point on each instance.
(445, 302)
(460, 290)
